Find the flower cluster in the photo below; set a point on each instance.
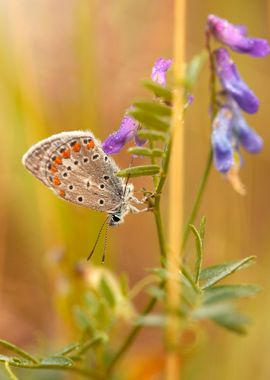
(129, 127)
(230, 130)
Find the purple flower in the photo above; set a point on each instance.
(221, 141)
(232, 82)
(230, 131)
(245, 135)
(159, 71)
(235, 36)
(126, 132)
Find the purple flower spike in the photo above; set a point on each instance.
(232, 82)
(246, 136)
(235, 36)
(159, 71)
(127, 131)
(221, 143)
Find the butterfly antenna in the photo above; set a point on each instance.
(98, 236)
(105, 244)
(128, 177)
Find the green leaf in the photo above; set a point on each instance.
(227, 292)
(107, 292)
(202, 228)
(194, 68)
(153, 320)
(146, 152)
(199, 248)
(150, 120)
(99, 339)
(157, 292)
(215, 273)
(157, 108)
(4, 358)
(224, 315)
(67, 349)
(233, 321)
(57, 361)
(82, 318)
(138, 171)
(149, 134)
(158, 90)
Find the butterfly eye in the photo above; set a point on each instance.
(115, 218)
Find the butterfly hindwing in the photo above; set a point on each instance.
(75, 167)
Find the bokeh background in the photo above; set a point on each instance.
(77, 64)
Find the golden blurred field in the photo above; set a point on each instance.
(77, 64)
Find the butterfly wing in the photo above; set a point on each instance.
(74, 166)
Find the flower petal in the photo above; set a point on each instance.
(232, 82)
(235, 37)
(127, 131)
(159, 71)
(222, 146)
(247, 137)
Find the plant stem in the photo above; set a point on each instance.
(198, 198)
(131, 336)
(175, 200)
(162, 247)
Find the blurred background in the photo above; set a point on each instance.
(77, 64)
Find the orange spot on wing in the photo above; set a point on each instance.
(91, 145)
(56, 181)
(76, 147)
(58, 160)
(62, 193)
(66, 153)
(53, 169)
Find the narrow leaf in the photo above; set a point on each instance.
(67, 349)
(12, 347)
(202, 228)
(138, 151)
(159, 109)
(215, 273)
(194, 68)
(156, 292)
(107, 292)
(138, 171)
(233, 321)
(158, 90)
(199, 247)
(150, 120)
(57, 361)
(223, 314)
(4, 358)
(149, 134)
(153, 320)
(228, 292)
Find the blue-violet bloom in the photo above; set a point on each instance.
(245, 135)
(159, 71)
(127, 131)
(235, 36)
(221, 140)
(233, 83)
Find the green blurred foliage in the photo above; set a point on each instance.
(67, 65)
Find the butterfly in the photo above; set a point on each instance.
(74, 166)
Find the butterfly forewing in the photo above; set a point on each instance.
(75, 167)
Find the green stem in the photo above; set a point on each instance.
(18, 351)
(162, 246)
(80, 371)
(198, 198)
(131, 336)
